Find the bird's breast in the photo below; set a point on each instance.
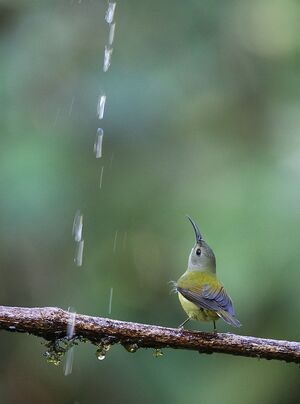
(195, 312)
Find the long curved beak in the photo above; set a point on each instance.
(196, 228)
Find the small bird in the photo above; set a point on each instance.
(201, 294)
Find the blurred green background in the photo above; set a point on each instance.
(202, 117)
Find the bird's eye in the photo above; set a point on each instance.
(198, 251)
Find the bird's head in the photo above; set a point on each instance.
(202, 257)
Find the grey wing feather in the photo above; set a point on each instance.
(221, 298)
(211, 299)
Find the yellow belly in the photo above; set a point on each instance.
(195, 312)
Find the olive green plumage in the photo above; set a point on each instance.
(201, 294)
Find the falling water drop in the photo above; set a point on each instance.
(70, 333)
(79, 253)
(101, 105)
(71, 323)
(107, 57)
(110, 300)
(69, 362)
(98, 143)
(109, 17)
(77, 226)
(111, 34)
(101, 177)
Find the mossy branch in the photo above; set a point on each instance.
(52, 324)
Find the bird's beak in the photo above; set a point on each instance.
(197, 231)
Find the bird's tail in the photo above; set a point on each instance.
(228, 318)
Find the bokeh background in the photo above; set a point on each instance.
(202, 117)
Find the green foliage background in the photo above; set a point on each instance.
(202, 117)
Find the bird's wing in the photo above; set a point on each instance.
(211, 298)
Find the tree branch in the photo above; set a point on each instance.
(52, 324)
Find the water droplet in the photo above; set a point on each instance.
(158, 353)
(79, 253)
(98, 143)
(101, 177)
(102, 351)
(110, 300)
(77, 226)
(109, 16)
(131, 347)
(101, 106)
(107, 57)
(111, 34)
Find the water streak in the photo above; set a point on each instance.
(101, 106)
(110, 300)
(69, 361)
(71, 323)
(111, 34)
(79, 253)
(107, 57)
(101, 177)
(109, 17)
(98, 143)
(77, 226)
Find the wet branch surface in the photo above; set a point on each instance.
(52, 324)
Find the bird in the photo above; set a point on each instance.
(201, 294)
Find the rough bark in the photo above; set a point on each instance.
(52, 324)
